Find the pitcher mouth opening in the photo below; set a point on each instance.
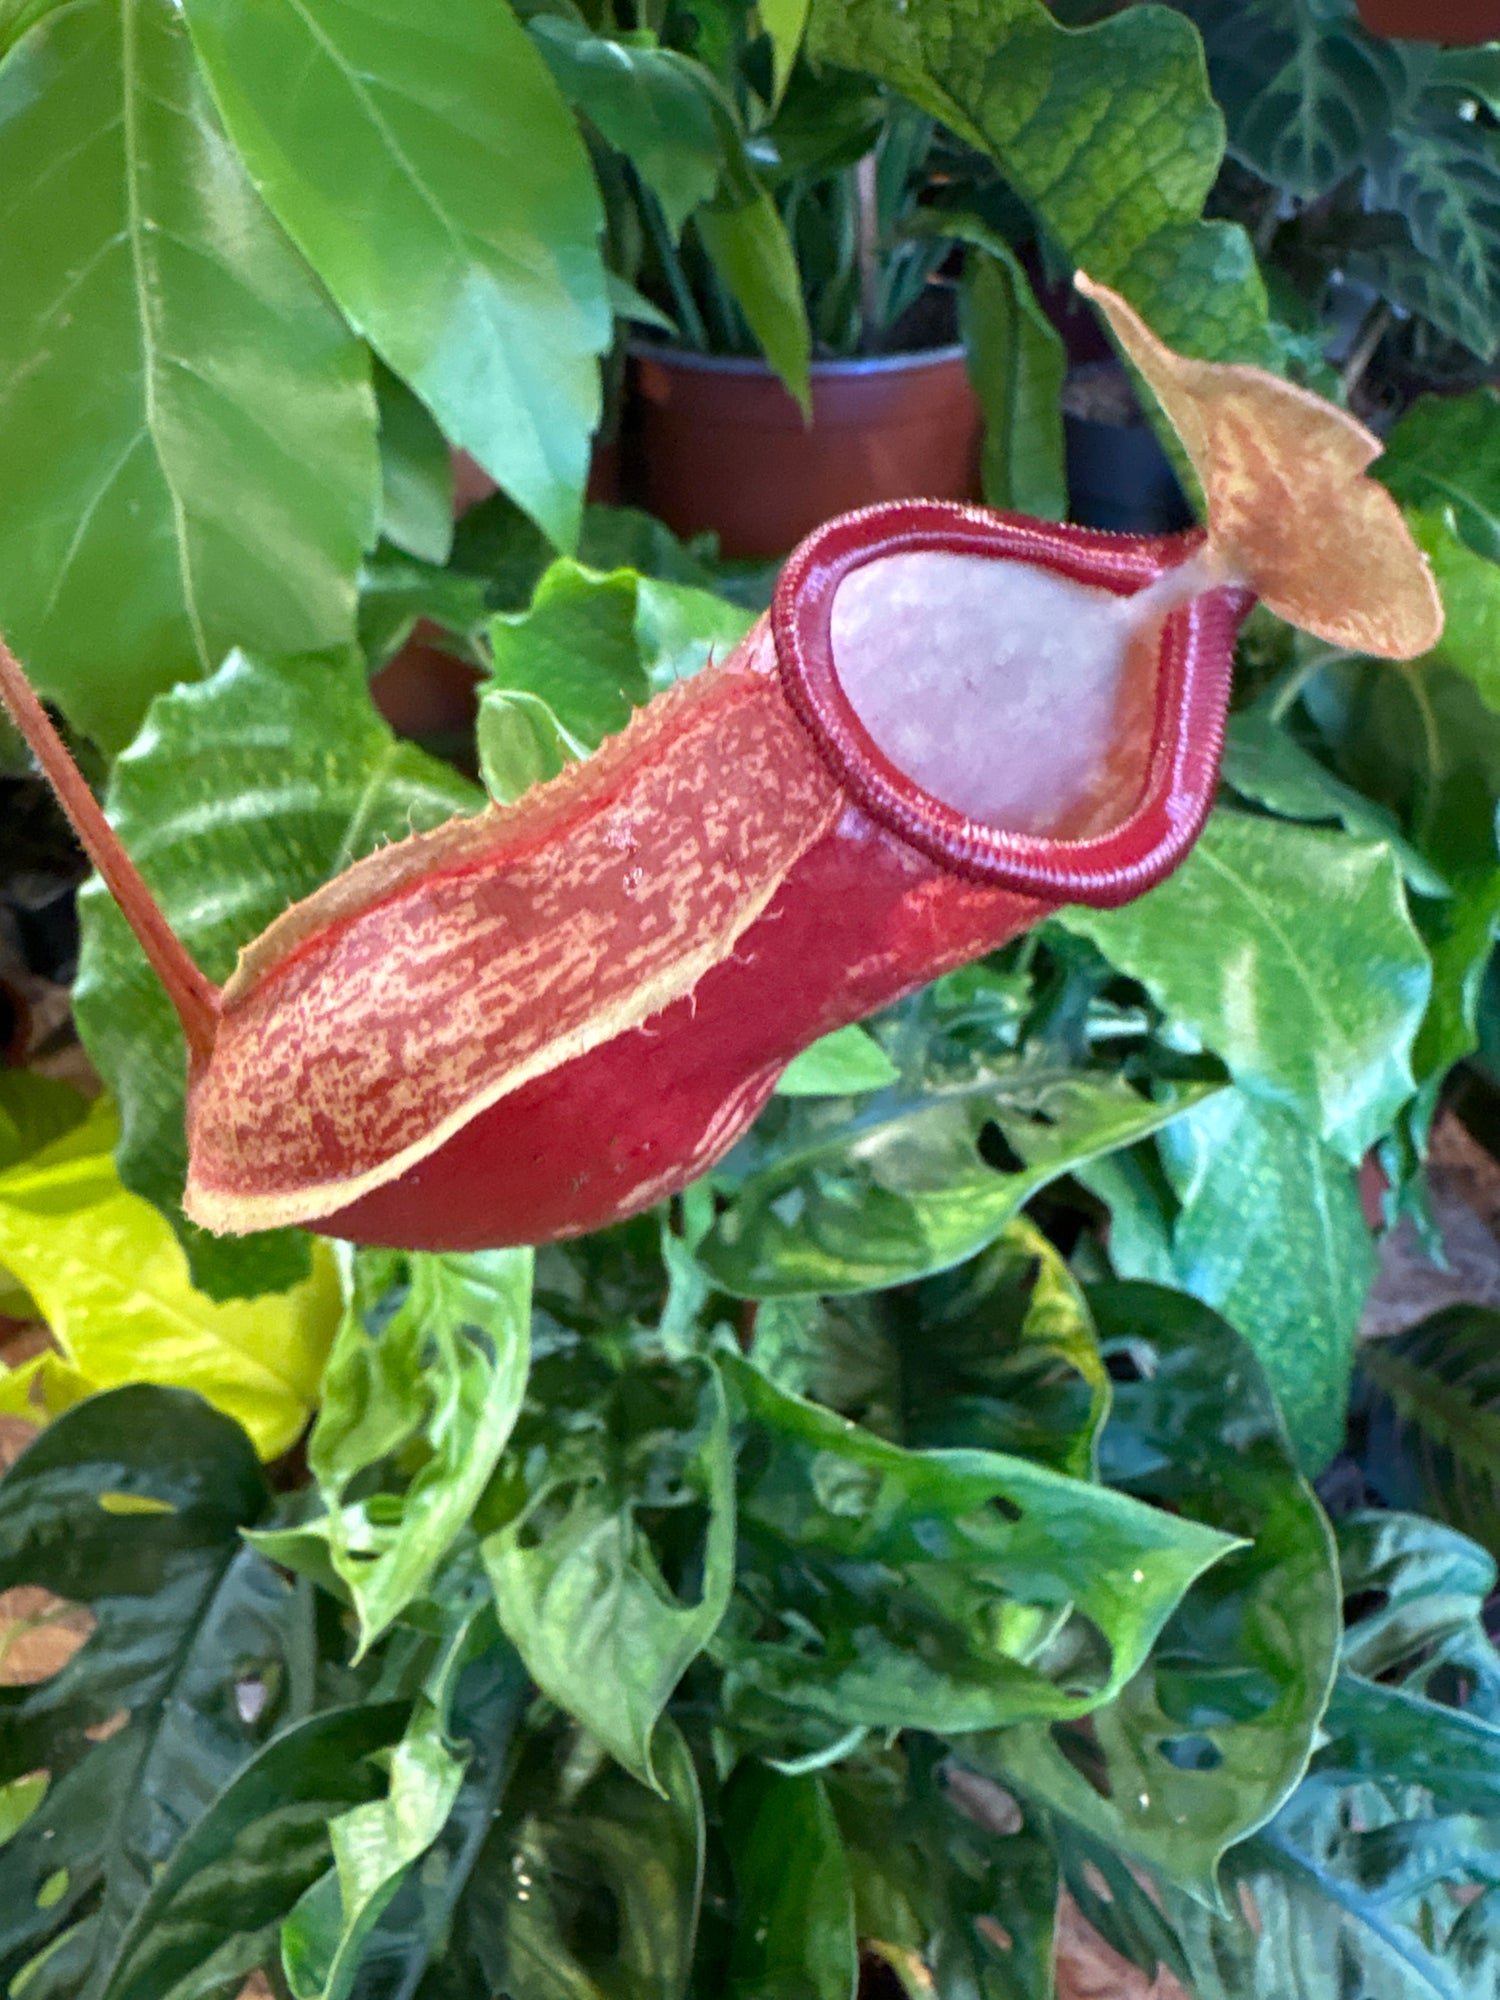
(982, 756)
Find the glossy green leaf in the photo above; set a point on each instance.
(1212, 1735)
(579, 1590)
(843, 1064)
(1307, 93)
(844, 1196)
(212, 1911)
(999, 1353)
(416, 474)
(1433, 1426)
(948, 1590)
(1109, 134)
(1266, 765)
(747, 243)
(1016, 362)
(374, 1844)
(145, 1726)
(1445, 453)
(1270, 1232)
(1470, 588)
(243, 795)
(588, 1887)
(658, 107)
(794, 1896)
(1315, 982)
(433, 177)
(188, 424)
(111, 1280)
(432, 1355)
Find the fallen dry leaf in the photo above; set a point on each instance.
(39, 1634)
(1090, 1969)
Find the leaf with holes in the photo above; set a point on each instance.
(111, 1281)
(578, 1584)
(433, 177)
(881, 1588)
(159, 329)
(1433, 1418)
(317, 780)
(1316, 983)
(430, 1359)
(133, 1504)
(1212, 1735)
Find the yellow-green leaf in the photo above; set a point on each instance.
(111, 1280)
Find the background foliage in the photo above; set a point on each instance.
(912, 1525)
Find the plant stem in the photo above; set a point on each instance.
(867, 198)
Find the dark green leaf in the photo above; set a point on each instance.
(1445, 452)
(659, 108)
(188, 425)
(433, 1352)
(747, 243)
(1434, 1428)
(212, 1911)
(248, 792)
(133, 1504)
(35, 1110)
(1290, 953)
(794, 1896)
(1306, 92)
(1414, 1602)
(431, 174)
(1270, 1232)
(947, 1590)
(1212, 1735)
(1470, 588)
(1074, 119)
(578, 1586)
(1442, 176)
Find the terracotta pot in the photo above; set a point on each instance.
(723, 446)
(1454, 22)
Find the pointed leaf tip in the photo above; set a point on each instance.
(1290, 507)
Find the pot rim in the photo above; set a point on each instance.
(690, 361)
(1192, 697)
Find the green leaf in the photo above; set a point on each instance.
(1442, 176)
(1016, 362)
(1306, 92)
(111, 1281)
(432, 1354)
(785, 21)
(575, 649)
(747, 244)
(1470, 589)
(188, 424)
(144, 1726)
(476, 272)
(1434, 1428)
(1270, 1232)
(589, 1885)
(794, 1896)
(416, 473)
(659, 108)
(244, 794)
(213, 1909)
(374, 1844)
(844, 1064)
(1212, 1735)
(1270, 768)
(579, 1590)
(1415, 1594)
(34, 1111)
(846, 1196)
(999, 1353)
(1315, 982)
(1445, 453)
(1073, 120)
(946, 1590)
